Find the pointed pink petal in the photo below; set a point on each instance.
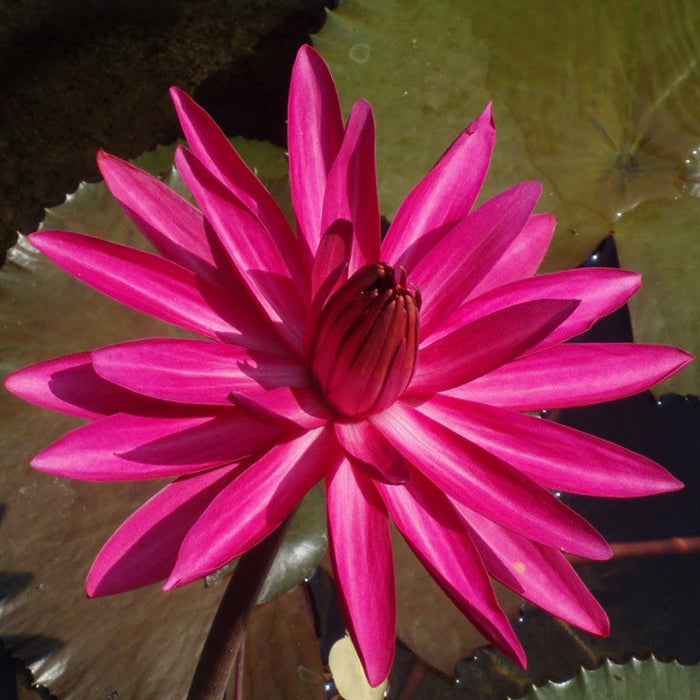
(486, 343)
(365, 443)
(555, 456)
(128, 448)
(576, 374)
(329, 271)
(538, 573)
(487, 484)
(524, 255)
(360, 549)
(194, 371)
(600, 291)
(446, 194)
(219, 157)
(171, 224)
(332, 259)
(291, 407)
(465, 255)
(144, 549)
(70, 385)
(439, 539)
(251, 248)
(254, 505)
(157, 287)
(351, 191)
(314, 134)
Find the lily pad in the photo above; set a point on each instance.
(291, 666)
(661, 237)
(648, 679)
(54, 527)
(600, 103)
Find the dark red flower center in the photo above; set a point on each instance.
(366, 341)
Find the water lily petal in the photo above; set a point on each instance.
(294, 407)
(144, 549)
(486, 343)
(538, 573)
(446, 194)
(555, 456)
(332, 259)
(487, 484)
(524, 255)
(576, 374)
(70, 385)
(366, 444)
(174, 226)
(125, 448)
(464, 256)
(158, 287)
(314, 135)
(329, 271)
(439, 539)
(219, 157)
(254, 505)
(351, 190)
(600, 292)
(194, 371)
(360, 549)
(251, 248)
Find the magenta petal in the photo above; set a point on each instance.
(329, 271)
(314, 135)
(553, 455)
(351, 191)
(576, 374)
(486, 343)
(524, 255)
(439, 539)
(599, 290)
(157, 287)
(291, 407)
(446, 194)
(69, 384)
(144, 549)
(360, 549)
(538, 573)
(126, 448)
(465, 255)
(254, 505)
(216, 153)
(332, 259)
(252, 250)
(487, 484)
(171, 224)
(365, 443)
(194, 371)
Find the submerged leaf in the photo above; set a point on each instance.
(281, 657)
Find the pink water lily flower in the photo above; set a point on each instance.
(399, 372)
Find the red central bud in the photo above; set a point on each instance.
(366, 341)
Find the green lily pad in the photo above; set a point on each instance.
(661, 237)
(53, 528)
(648, 679)
(600, 103)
